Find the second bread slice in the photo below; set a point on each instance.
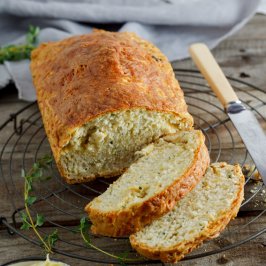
(201, 215)
(165, 172)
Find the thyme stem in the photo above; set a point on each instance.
(47, 248)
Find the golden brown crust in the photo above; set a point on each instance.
(177, 252)
(126, 222)
(82, 77)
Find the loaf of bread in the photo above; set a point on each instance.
(102, 97)
(165, 172)
(201, 215)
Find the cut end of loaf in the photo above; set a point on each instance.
(201, 215)
(106, 146)
(166, 171)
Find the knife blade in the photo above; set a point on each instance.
(244, 120)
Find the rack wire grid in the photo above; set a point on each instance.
(63, 204)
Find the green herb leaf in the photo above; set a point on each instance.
(51, 238)
(39, 220)
(45, 161)
(30, 200)
(37, 172)
(25, 223)
(84, 229)
(25, 226)
(32, 35)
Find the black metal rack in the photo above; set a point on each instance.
(27, 142)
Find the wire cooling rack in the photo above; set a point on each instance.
(63, 204)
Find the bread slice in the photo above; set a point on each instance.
(165, 172)
(103, 96)
(201, 215)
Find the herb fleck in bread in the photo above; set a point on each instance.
(103, 96)
(165, 172)
(201, 215)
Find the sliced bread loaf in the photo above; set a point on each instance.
(201, 215)
(103, 96)
(166, 171)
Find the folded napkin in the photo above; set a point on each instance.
(172, 25)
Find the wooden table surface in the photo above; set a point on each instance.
(241, 56)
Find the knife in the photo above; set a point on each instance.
(244, 121)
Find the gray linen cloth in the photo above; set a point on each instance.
(172, 25)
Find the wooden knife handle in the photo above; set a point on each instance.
(211, 71)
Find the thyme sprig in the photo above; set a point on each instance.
(36, 173)
(84, 227)
(20, 51)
